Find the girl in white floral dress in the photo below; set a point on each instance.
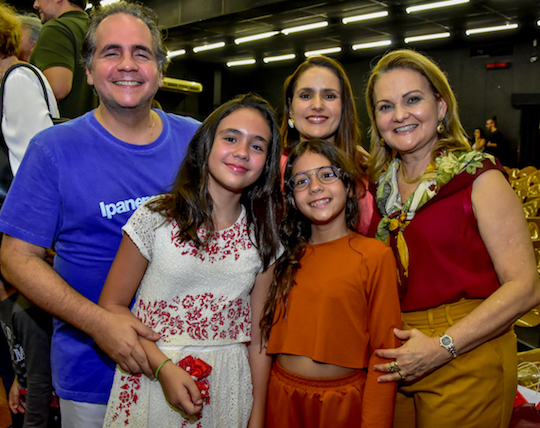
(198, 262)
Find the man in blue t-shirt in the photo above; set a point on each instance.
(77, 185)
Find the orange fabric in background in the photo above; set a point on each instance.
(5, 413)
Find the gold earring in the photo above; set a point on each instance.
(440, 128)
(382, 142)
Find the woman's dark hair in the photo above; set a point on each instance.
(79, 3)
(482, 133)
(296, 228)
(190, 204)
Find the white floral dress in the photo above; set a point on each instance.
(198, 301)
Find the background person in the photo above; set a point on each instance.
(31, 27)
(319, 103)
(496, 143)
(25, 110)
(479, 140)
(28, 328)
(78, 184)
(466, 264)
(58, 54)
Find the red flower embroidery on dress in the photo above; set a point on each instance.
(200, 316)
(187, 422)
(128, 396)
(235, 239)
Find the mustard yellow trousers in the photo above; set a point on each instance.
(474, 390)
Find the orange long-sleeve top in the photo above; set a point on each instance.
(342, 307)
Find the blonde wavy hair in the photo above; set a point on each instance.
(10, 31)
(453, 137)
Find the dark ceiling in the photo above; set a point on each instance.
(192, 23)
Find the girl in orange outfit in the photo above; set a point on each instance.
(333, 301)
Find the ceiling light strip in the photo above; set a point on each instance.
(250, 61)
(286, 57)
(371, 45)
(255, 37)
(178, 52)
(106, 2)
(491, 29)
(203, 48)
(364, 17)
(326, 51)
(307, 27)
(436, 5)
(427, 37)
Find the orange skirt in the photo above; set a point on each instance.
(302, 402)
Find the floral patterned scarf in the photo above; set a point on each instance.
(397, 216)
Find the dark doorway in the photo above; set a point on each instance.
(529, 129)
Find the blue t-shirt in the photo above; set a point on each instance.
(76, 187)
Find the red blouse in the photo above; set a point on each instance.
(448, 260)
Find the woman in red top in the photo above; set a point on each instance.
(466, 264)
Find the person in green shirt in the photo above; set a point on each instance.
(57, 54)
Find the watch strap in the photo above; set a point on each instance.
(446, 342)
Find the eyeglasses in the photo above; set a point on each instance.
(325, 174)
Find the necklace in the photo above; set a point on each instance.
(410, 181)
(152, 130)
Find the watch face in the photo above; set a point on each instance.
(446, 341)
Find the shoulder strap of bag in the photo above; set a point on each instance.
(41, 82)
(9, 70)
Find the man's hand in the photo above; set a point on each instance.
(15, 403)
(118, 336)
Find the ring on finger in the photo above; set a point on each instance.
(393, 365)
(399, 372)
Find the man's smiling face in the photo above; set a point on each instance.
(124, 70)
